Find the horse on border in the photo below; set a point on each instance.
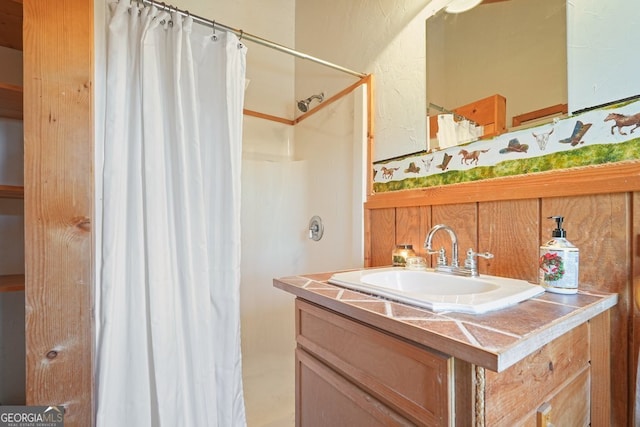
(621, 121)
(472, 156)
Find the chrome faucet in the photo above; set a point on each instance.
(442, 258)
(470, 267)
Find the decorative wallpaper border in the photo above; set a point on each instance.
(606, 135)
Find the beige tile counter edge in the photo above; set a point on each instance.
(493, 340)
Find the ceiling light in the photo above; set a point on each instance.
(459, 6)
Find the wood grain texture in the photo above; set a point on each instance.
(514, 393)
(382, 224)
(411, 380)
(601, 379)
(510, 231)
(58, 135)
(370, 131)
(554, 110)
(569, 407)
(324, 398)
(464, 386)
(412, 225)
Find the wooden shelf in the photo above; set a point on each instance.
(11, 24)
(11, 192)
(11, 101)
(12, 283)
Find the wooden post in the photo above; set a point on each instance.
(600, 331)
(58, 197)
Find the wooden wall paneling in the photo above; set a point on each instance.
(634, 344)
(58, 198)
(510, 230)
(382, 229)
(368, 237)
(599, 226)
(600, 220)
(412, 225)
(463, 218)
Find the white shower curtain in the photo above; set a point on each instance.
(169, 312)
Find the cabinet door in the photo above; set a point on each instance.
(558, 373)
(570, 406)
(324, 398)
(413, 380)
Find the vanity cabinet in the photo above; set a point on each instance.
(352, 373)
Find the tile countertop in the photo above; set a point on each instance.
(494, 340)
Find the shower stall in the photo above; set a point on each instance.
(292, 173)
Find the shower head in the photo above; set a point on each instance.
(304, 104)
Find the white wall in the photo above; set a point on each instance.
(603, 63)
(385, 38)
(490, 49)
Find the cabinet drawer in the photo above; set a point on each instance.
(415, 381)
(325, 398)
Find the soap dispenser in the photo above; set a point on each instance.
(559, 260)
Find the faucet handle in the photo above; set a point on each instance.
(485, 255)
(442, 256)
(471, 263)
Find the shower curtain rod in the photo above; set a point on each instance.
(246, 36)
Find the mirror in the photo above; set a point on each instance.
(514, 48)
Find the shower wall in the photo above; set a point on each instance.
(289, 175)
(280, 193)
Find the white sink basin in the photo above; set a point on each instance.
(438, 291)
